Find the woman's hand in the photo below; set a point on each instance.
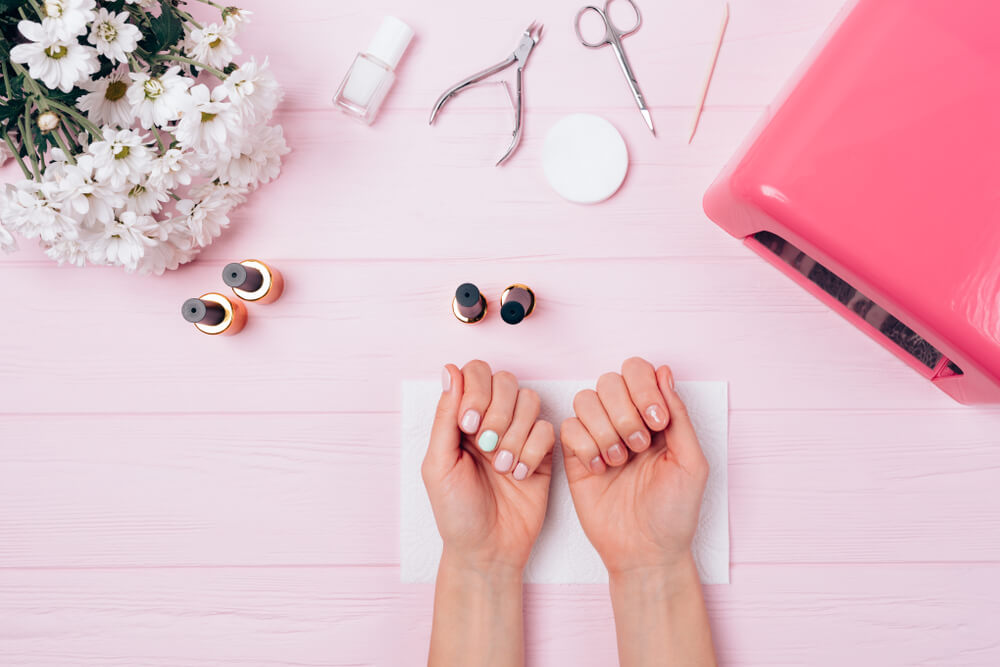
(643, 512)
(641, 515)
(488, 468)
(487, 472)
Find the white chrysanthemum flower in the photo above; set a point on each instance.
(167, 255)
(208, 125)
(121, 157)
(235, 18)
(70, 251)
(93, 202)
(145, 198)
(253, 91)
(124, 240)
(106, 103)
(173, 168)
(55, 62)
(7, 242)
(113, 35)
(32, 211)
(260, 160)
(67, 19)
(206, 218)
(158, 100)
(212, 45)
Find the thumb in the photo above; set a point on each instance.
(682, 440)
(444, 448)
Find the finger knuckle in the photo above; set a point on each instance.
(476, 366)
(608, 381)
(584, 398)
(635, 364)
(505, 379)
(530, 397)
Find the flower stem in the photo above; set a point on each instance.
(62, 144)
(156, 133)
(29, 143)
(6, 78)
(79, 118)
(17, 154)
(64, 125)
(182, 59)
(183, 15)
(38, 10)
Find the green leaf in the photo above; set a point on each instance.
(167, 28)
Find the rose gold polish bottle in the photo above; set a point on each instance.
(469, 305)
(373, 72)
(215, 314)
(516, 303)
(255, 281)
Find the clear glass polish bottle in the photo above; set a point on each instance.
(373, 72)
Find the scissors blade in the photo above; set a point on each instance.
(648, 117)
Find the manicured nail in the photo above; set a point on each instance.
(638, 441)
(470, 421)
(616, 454)
(445, 381)
(488, 442)
(655, 415)
(520, 472)
(504, 459)
(596, 465)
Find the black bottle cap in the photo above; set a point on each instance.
(242, 277)
(512, 312)
(467, 295)
(197, 311)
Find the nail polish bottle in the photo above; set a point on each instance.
(255, 281)
(373, 72)
(215, 314)
(516, 303)
(469, 305)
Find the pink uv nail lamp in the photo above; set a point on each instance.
(875, 184)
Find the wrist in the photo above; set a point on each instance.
(656, 580)
(487, 571)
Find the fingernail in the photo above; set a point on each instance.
(445, 380)
(616, 454)
(503, 461)
(488, 442)
(520, 472)
(596, 465)
(470, 421)
(638, 441)
(655, 415)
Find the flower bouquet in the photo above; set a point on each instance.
(134, 129)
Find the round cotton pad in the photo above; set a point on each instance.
(585, 158)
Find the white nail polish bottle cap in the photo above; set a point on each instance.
(391, 41)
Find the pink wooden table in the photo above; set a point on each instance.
(169, 499)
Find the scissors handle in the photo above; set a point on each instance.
(612, 33)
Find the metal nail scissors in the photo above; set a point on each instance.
(613, 36)
(531, 36)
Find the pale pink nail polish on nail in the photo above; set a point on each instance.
(503, 461)
(616, 453)
(638, 441)
(596, 465)
(445, 381)
(470, 421)
(520, 472)
(655, 415)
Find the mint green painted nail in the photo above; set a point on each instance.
(488, 441)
